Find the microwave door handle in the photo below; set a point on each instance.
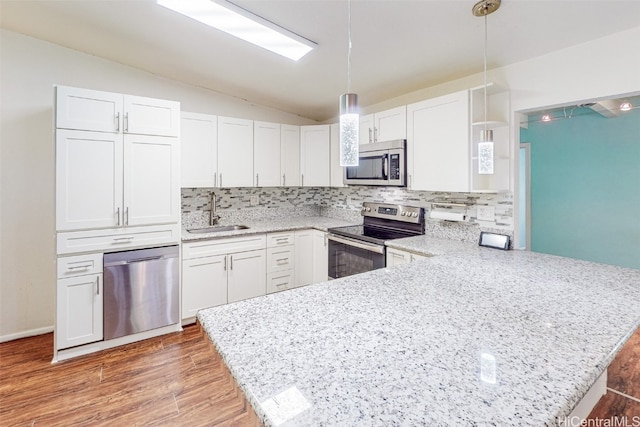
(385, 167)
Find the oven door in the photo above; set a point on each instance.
(350, 256)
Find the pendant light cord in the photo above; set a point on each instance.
(485, 76)
(349, 47)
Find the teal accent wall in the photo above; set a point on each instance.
(585, 186)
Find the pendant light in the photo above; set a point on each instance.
(349, 117)
(485, 146)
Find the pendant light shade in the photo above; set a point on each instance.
(349, 115)
(485, 146)
(349, 129)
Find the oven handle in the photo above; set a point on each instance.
(358, 244)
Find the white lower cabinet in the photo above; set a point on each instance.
(216, 272)
(280, 261)
(79, 301)
(311, 257)
(399, 257)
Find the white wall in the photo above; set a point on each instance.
(29, 69)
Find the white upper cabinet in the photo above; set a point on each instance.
(198, 150)
(438, 143)
(151, 180)
(266, 154)
(85, 109)
(386, 125)
(89, 177)
(108, 180)
(366, 129)
(150, 116)
(391, 124)
(290, 155)
(337, 171)
(315, 155)
(235, 152)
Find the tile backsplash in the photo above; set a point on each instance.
(237, 204)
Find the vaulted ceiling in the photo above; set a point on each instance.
(398, 45)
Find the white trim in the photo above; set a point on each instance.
(26, 334)
(584, 407)
(527, 147)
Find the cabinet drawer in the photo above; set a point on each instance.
(79, 265)
(279, 281)
(279, 259)
(115, 239)
(223, 246)
(280, 239)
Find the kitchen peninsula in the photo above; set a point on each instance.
(470, 336)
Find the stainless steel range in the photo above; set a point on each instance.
(359, 248)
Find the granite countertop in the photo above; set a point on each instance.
(471, 336)
(271, 225)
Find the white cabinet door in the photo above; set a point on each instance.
(246, 276)
(204, 284)
(235, 152)
(337, 171)
(266, 154)
(84, 109)
(366, 129)
(88, 180)
(315, 155)
(198, 150)
(391, 124)
(438, 143)
(152, 180)
(79, 310)
(290, 155)
(397, 257)
(304, 257)
(320, 257)
(280, 281)
(150, 116)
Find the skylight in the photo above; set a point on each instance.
(241, 23)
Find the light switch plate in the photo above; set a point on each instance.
(486, 213)
(255, 201)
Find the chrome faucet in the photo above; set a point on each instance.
(214, 216)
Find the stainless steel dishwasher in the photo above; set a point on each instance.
(141, 290)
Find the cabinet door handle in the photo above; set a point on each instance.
(257, 181)
(123, 239)
(370, 138)
(279, 260)
(126, 215)
(375, 134)
(225, 264)
(221, 179)
(80, 267)
(118, 121)
(231, 262)
(126, 122)
(215, 179)
(118, 216)
(284, 180)
(98, 284)
(302, 180)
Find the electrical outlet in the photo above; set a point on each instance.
(486, 213)
(255, 200)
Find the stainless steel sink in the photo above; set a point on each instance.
(217, 229)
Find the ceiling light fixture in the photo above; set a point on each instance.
(241, 23)
(485, 146)
(349, 117)
(625, 106)
(546, 118)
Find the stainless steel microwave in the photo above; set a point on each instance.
(380, 163)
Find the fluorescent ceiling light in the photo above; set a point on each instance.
(241, 23)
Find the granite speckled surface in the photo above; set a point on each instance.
(470, 337)
(270, 225)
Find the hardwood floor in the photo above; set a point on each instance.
(179, 379)
(176, 379)
(623, 387)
